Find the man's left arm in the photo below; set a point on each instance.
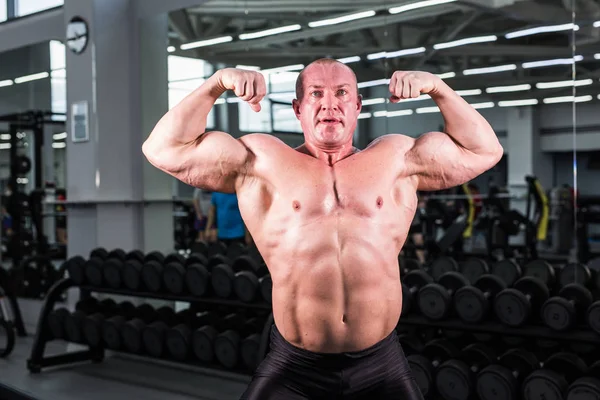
(468, 147)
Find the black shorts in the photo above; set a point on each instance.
(291, 373)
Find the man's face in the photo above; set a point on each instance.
(329, 104)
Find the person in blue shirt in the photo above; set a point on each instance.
(230, 225)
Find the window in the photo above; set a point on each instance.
(26, 7)
(3, 10)
(58, 76)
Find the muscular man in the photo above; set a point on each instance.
(328, 219)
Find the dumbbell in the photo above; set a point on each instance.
(152, 275)
(435, 299)
(580, 274)
(75, 266)
(586, 387)
(410, 344)
(235, 250)
(217, 248)
(593, 316)
(424, 365)
(552, 381)
(456, 378)
(473, 267)
(246, 284)
(178, 339)
(174, 273)
(542, 270)
(73, 322)
(203, 338)
(249, 350)
(199, 247)
(502, 380)
(197, 275)
(56, 322)
(112, 327)
(563, 311)
(411, 283)
(131, 332)
(266, 287)
(154, 334)
(514, 306)
(94, 266)
(223, 275)
(441, 265)
(508, 270)
(228, 343)
(408, 264)
(99, 252)
(472, 304)
(93, 271)
(92, 323)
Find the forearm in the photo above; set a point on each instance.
(185, 122)
(463, 123)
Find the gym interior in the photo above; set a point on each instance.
(108, 288)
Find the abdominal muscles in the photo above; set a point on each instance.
(335, 280)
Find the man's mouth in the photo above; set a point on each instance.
(329, 121)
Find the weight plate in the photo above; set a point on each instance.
(131, 333)
(199, 248)
(558, 313)
(544, 384)
(410, 344)
(570, 365)
(177, 342)
(244, 263)
(497, 383)
(593, 316)
(111, 332)
(56, 320)
(226, 349)
(512, 307)
(99, 252)
(112, 272)
(152, 276)
(196, 279)
(202, 343)
(519, 360)
(417, 278)
(216, 248)
(472, 268)
(173, 276)
(542, 270)
(409, 264)
(491, 284)
(453, 281)
(578, 293)
(222, 280)
(132, 271)
(175, 258)
(249, 351)
(245, 286)
(154, 256)
(422, 371)
(266, 287)
(152, 338)
(406, 299)
(235, 250)
(470, 304)
(76, 270)
(196, 259)
(535, 288)
(574, 273)
(137, 255)
(441, 265)
(73, 327)
(119, 254)
(91, 329)
(453, 380)
(586, 388)
(478, 355)
(434, 301)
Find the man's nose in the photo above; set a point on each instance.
(329, 102)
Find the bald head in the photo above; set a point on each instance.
(320, 62)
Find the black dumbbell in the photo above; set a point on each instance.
(56, 322)
(217, 248)
(112, 270)
(93, 271)
(199, 247)
(552, 381)
(586, 387)
(227, 344)
(408, 264)
(174, 273)
(154, 334)
(131, 332)
(112, 327)
(473, 267)
(473, 303)
(562, 312)
(435, 299)
(424, 365)
(203, 338)
(441, 265)
(92, 323)
(99, 252)
(410, 344)
(137, 255)
(508, 270)
(246, 281)
(152, 272)
(235, 250)
(197, 275)
(456, 378)
(178, 339)
(578, 273)
(266, 287)
(73, 322)
(131, 274)
(411, 283)
(75, 266)
(222, 277)
(593, 316)
(515, 306)
(502, 380)
(542, 270)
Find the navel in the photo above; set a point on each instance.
(296, 205)
(379, 202)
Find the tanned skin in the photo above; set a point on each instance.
(328, 219)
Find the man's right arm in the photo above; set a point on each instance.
(180, 146)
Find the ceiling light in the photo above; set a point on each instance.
(597, 24)
(465, 41)
(204, 43)
(559, 84)
(376, 82)
(419, 4)
(32, 77)
(294, 67)
(370, 102)
(446, 75)
(597, 56)
(4, 146)
(59, 136)
(567, 99)
(542, 29)
(270, 32)
(424, 110)
(348, 60)
(7, 82)
(342, 19)
(59, 145)
(488, 104)
(505, 89)
(548, 63)
(470, 92)
(390, 114)
(170, 49)
(399, 53)
(490, 70)
(58, 73)
(364, 115)
(514, 103)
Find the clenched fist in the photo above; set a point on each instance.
(411, 84)
(247, 85)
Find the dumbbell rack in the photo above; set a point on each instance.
(39, 360)
(580, 335)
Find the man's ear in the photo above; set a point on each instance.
(359, 103)
(296, 107)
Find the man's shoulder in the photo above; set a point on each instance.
(261, 141)
(393, 141)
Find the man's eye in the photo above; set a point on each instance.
(316, 93)
(342, 92)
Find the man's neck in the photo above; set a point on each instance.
(330, 156)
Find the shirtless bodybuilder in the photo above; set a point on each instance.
(328, 219)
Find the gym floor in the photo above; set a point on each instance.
(118, 377)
